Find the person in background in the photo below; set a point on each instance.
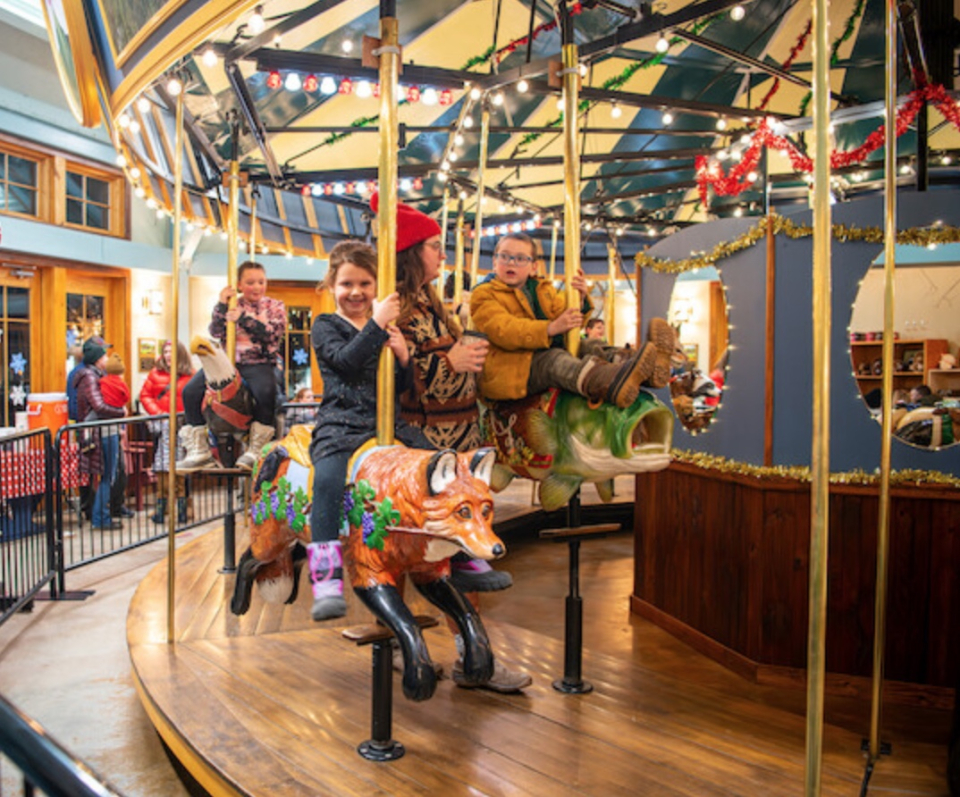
(295, 415)
(922, 396)
(155, 400)
(442, 402)
(261, 326)
(117, 394)
(76, 352)
(101, 458)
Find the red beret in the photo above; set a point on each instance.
(413, 227)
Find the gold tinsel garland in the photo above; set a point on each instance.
(898, 478)
(916, 236)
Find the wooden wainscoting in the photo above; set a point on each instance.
(722, 561)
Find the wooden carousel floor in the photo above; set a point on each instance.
(274, 704)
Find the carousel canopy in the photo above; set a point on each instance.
(688, 110)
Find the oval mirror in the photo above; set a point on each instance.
(698, 311)
(926, 380)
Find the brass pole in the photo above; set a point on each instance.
(478, 216)
(387, 213)
(554, 236)
(172, 409)
(233, 248)
(611, 303)
(444, 220)
(820, 455)
(886, 434)
(458, 263)
(571, 181)
(252, 243)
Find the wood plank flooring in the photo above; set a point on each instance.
(274, 704)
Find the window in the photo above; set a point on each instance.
(84, 320)
(45, 185)
(18, 184)
(296, 349)
(88, 201)
(15, 351)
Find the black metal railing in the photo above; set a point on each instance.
(43, 762)
(27, 542)
(95, 490)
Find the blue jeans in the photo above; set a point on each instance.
(110, 457)
(329, 479)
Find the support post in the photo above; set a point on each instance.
(478, 215)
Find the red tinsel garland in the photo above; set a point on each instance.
(711, 175)
(575, 9)
(797, 49)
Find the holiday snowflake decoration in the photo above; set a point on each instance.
(71, 338)
(18, 364)
(300, 357)
(18, 396)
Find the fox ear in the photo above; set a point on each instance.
(482, 463)
(441, 471)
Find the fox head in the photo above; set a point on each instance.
(457, 509)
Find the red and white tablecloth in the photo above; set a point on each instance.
(23, 473)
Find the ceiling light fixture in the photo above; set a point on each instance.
(257, 22)
(662, 44)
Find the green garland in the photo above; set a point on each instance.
(915, 236)
(617, 81)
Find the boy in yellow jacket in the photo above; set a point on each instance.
(525, 318)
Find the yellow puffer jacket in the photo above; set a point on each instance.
(505, 316)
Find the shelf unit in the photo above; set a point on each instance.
(944, 379)
(867, 351)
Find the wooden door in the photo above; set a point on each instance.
(304, 303)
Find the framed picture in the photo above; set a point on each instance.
(147, 351)
(692, 351)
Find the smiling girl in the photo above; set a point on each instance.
(347, 345)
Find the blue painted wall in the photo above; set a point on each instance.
(737, 432)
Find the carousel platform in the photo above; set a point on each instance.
(272, 703)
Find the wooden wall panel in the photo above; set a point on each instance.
(726, 557)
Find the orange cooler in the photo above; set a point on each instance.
(47, 410)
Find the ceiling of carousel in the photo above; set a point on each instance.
(689, 111)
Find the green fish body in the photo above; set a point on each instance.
(560, 440)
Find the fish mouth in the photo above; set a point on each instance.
(653, 432)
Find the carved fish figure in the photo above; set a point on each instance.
(559, 439)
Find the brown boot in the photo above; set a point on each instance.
(664, 338)
(617, 384)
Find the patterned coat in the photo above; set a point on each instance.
(90, 407)
(442, 402)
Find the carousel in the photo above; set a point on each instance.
(748, 172)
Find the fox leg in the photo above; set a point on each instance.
(243, 586)
(477, 655)
(386, 603)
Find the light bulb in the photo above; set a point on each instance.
(662, 44)
(347, 46)
(497, 98)
(293, 82)
(209, 57)
(328, 85)
(458, 139)
(615, 111)
(257, 22)
(721, 123)
(174, 87)
(667, 118)
(737, 13)
(364, 89)
(475, 93)
(123, 120)
(468, 121)
(143, 105)
(522, 86)
(429, 96)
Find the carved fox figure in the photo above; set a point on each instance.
(408, 512)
